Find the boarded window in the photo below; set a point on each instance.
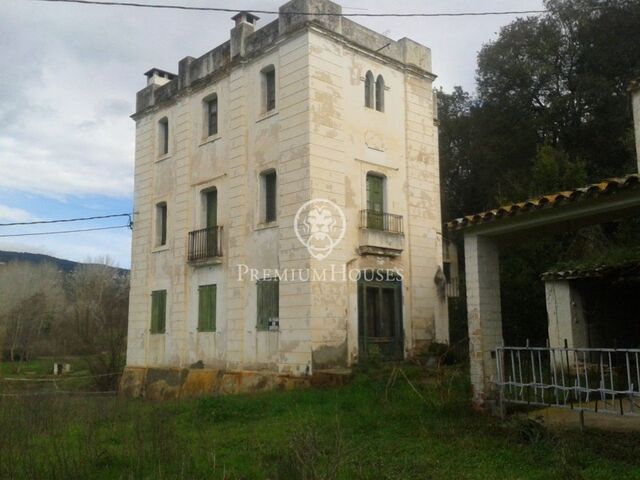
(161, 224)
(212, 116)
(163, 133)
(269, 182)
(207, 308)
(269, 83)
(158, 311)
(268, 303)
(368, 90)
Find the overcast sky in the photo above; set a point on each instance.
(68, 78)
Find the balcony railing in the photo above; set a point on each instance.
(386, 222)
(205, 244)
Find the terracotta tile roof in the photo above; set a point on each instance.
(628, 269)
(554, 200)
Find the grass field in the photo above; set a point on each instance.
(424, 429)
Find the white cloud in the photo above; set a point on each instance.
(9, 214)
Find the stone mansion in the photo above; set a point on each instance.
(287, 202)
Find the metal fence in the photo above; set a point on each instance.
(387, 222)
(205, 244)
(605, 380)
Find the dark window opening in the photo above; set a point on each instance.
(161, 220)
(269, 180)
(164, 136)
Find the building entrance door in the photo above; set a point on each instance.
(380, 317)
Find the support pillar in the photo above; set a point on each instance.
(484, 315)
(566, 319)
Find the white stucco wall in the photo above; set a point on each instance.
(322, 141)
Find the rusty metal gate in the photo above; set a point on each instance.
(605, 380)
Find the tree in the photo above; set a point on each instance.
(551, 113)
(97, 320)
(32, 298)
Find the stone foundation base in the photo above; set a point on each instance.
(173, 383)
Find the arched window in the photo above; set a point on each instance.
(380, 94)
(368, 90)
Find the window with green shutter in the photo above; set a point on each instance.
(158, 311)
(207, 308)
(268, 296)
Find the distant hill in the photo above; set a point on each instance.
(38, 258)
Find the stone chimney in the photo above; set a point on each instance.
(245, 26)
(634, 88)
(158, 77)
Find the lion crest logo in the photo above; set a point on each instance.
(320, 225)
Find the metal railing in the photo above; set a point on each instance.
(387, 222)
(205, 244)
(605, 380)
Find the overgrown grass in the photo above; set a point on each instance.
(414, 426)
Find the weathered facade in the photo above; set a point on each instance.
(229, 150)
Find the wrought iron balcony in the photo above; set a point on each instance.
(205, 244)
(386, 222)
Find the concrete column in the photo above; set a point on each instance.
(484, 314)
(566, 315)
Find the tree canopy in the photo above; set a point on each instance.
(551, 111)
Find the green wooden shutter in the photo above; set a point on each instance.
(375, 201)
(212, 208)
(207, 308)
(268, 299)
(158, 311)
(262, 314)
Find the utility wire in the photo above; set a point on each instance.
(79, 219)
(326, 14)
(64, 231)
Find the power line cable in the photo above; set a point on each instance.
(78, 219)
(327, 14)
(56, 232)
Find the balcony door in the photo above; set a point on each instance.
(380, 317)
(211, 219)
(211, 208)
(375, 201)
